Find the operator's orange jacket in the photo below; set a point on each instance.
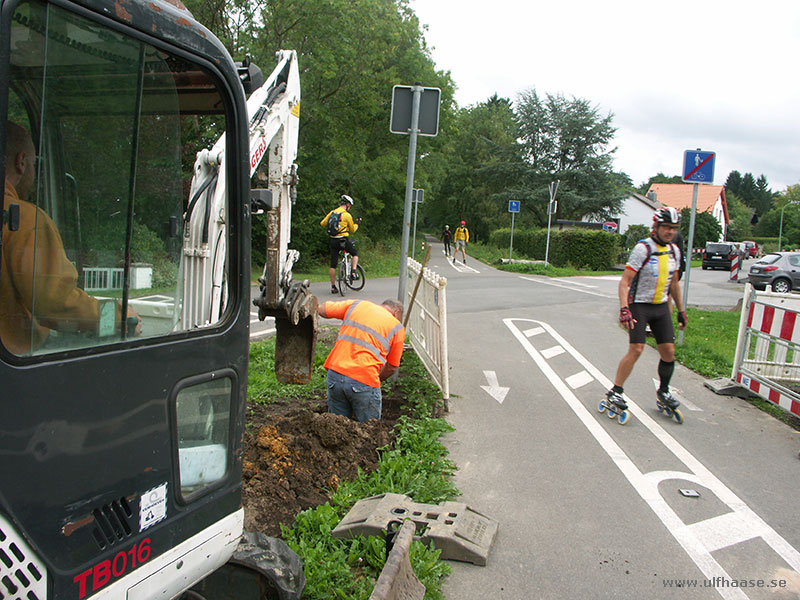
(369, 337)
(25, 320)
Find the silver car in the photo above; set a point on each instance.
(781, 270)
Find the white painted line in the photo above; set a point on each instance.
(552, 351)
(690, 537)
(462, 268)
(533, 331)
(573, 282)
(580, 379)
(679, 395)
(565, 287)
(603, 277)
(262, 333)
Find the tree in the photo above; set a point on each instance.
(739, 227)
(733, 184)
(351, 53)
(706, 228)
(753, 192)
(566, 140)
(659, 178)
(461, 187)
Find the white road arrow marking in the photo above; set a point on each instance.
(494, 389)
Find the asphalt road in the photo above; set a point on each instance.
(588, 508)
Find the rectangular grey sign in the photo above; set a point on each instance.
(402, 99)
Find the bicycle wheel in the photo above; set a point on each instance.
(357, 284)
(342, 277)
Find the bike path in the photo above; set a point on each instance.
(588, 507)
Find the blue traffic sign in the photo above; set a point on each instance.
(698, 166)
(513, 206)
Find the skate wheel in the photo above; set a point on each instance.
(612, 412)
(659, 406)
(602, 406)
(678, 415)
(624, 416)
(668, 411)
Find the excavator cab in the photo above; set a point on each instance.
(125, 299)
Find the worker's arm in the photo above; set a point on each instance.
(322, 310)
(386, 371)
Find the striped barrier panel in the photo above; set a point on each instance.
(735, 267)
(767, 360)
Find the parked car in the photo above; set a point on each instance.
(781, 270)
(719, 255)
(751, 248)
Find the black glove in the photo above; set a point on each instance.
(358, 220)
(682, 318)
(625, 315)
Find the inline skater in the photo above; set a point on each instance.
(650, 277)
(340, 224)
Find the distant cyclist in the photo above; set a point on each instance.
(650, 277)
(339, 223)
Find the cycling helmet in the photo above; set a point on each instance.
(667, 216)
(346, 198)
(463, 222)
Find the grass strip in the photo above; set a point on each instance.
(416, 465)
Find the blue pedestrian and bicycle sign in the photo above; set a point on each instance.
(698, 166)
(513, 206)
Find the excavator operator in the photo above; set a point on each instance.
(38, 283)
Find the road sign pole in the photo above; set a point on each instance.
(511, 244)
(689, 250)
(412, 155)
(550, 211)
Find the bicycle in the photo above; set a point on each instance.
(344, 274)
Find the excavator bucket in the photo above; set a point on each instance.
(294, 349)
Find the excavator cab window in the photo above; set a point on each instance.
(114, 125)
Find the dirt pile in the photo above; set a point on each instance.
(295, 453)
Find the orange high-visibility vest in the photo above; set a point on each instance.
(369, 337)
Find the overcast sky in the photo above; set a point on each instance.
(718, 75)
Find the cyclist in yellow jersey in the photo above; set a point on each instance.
(339, 239)
(650, 277)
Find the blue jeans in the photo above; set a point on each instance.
(352, 398)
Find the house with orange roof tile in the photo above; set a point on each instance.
(636, 210)
(710, 199)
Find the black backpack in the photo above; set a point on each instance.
(333, 223)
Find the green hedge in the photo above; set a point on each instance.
(579, 248)
(767, 244)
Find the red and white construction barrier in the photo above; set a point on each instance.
(735, 267)
(767, 360)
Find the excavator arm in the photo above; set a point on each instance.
(273, 114)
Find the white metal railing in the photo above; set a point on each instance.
(427, 323)
(101, 278)
(767, 359)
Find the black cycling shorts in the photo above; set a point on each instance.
(341, 243)
(660, 320)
